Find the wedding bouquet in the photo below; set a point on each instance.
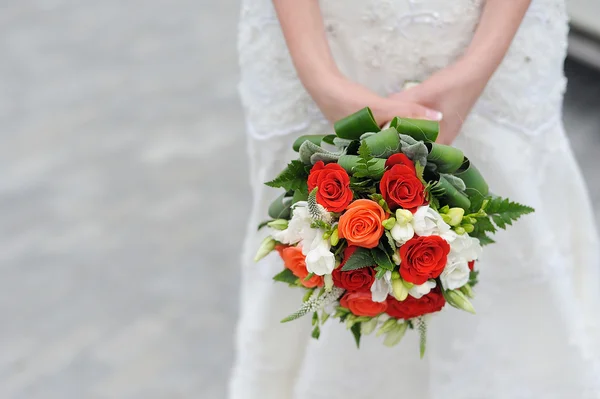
(382, 227)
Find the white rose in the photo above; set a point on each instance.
(455, 274)
(427, 222)
(402, 233)
(320, 261)
(418, 291)
(381, 287)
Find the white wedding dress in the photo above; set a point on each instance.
(536, 332)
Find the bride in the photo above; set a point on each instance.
(491, 73)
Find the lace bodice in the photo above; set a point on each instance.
(384, 43)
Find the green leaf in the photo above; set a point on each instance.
(388, 243)
(359, 259)
(382, 259)
(420, 130)
(356, 332)
(299, 195)
(380, 272)
(263, 224)
(315, 319)
(355, 125)
(292, 178)
(473, 277)
(286, 276)
(316, 332)
(379, 199)
(504, 212)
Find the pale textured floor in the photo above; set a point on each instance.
(122, 167)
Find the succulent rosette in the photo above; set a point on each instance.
(382, 227)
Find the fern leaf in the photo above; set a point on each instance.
(292, 178)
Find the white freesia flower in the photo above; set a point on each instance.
(463, 246)
(298, 227)
(455, 274)
(381, 287)
(427, 222)
(418, 291)
(320, 261)
(402, 233)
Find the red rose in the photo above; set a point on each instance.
(400, 159)
(412, 307)
(334, 186)
(400, 186)
(361, 304)
(353, 280)
(423, 258)
(471, 265)
(294, 260)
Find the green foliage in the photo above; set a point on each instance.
(380, 272)
(420, 169)
(316, 332)
(263, 224)
(356, 332)
(388, 243)
(379, 199)
(382, 259)
(286, 276)
(362, 187)
(365, 166)
(504, 212)
(473, 278)
(499, 213)
(293, 178)
(433, 193)
(300, 195)
(360, 258)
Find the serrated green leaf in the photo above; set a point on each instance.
(293, 178)
(389, 243)
(359, 259)
(382, 259)
(286, 276)
(356, 332)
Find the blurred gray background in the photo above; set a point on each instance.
(122, 140)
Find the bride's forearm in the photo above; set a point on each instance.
(304, 32)
(497, 27)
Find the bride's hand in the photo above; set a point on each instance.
(453, 90)
(338, 97)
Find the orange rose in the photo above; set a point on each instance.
(294, 260)
(361, 223)
(361, 304)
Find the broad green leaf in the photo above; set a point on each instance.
(355, 125)
(359, 259)
(286, 276)
(382, 259)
